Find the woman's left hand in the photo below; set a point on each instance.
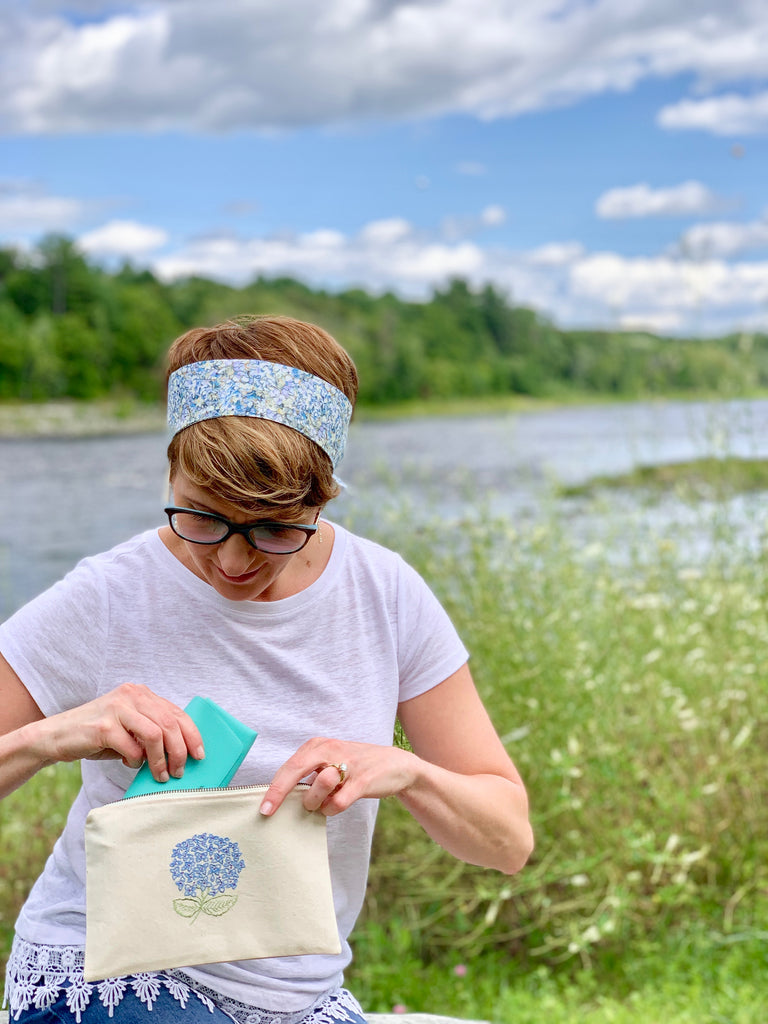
(343, 772)
(458, 780)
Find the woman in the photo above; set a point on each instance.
(312, 636)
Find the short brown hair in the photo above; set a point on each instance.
(258, 465)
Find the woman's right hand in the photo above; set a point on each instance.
(131, 723)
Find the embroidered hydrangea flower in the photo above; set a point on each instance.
(203, 868)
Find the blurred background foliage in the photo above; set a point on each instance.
(71, 329)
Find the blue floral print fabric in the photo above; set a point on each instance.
(270, 391)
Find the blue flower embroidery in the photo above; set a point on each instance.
(203, 868)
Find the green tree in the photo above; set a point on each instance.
(13, 355)
(68, 327)
(79, 356)
(56, 279)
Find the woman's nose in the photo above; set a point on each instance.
(236, 555)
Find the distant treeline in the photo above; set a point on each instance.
(69, 328)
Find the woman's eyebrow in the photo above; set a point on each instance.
(200, 506)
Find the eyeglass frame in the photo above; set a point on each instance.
(308, 529)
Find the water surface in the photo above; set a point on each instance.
(61, 499)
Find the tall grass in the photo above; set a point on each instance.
(30, 820)
(630, 693)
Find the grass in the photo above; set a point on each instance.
(691, 979)
(631, 698)
(709, 478)
(630, 694)
(30, 820)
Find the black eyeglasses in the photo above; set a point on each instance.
(210, 528)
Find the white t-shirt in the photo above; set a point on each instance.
(333, 660)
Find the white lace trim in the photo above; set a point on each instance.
(37, 975)
(336, 1007)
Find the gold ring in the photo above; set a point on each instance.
(340, 768)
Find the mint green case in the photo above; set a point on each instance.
(226, 742)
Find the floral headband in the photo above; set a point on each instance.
(267, 391)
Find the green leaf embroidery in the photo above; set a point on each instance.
(218, 905)
(187, 907)
(214, 906)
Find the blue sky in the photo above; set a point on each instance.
(604, 161)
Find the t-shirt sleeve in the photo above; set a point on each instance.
(429, 647)
(56, 644)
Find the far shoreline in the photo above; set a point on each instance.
(69, 418)
(72, 418)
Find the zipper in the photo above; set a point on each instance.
(255, 787)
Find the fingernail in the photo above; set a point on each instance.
(164, 776)
(179, 773)
(200, 753)
(266, 807)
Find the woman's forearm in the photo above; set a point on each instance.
(21, 757)
(482, 819)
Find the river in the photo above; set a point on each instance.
(61, 499)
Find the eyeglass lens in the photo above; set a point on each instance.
(206, 529)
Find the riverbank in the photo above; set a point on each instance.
(80, 419)
(110, 417)
(116, 416)
(693, 480)
(107, 417)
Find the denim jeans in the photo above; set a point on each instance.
(130, 1010)
(164, 1009)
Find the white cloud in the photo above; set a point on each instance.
(556, 254)
(666, 294)
(662, 283)
(492, 216)
(460, 226)
(324, 239)
(26, 210)
(657, 323)
(384, 232)
(723, 239)
(471, 168)
(268, 64)
(688, 199)
(730, 114)
(64, 77)
(384, 254)
(123, 238)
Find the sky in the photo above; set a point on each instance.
(604, 162)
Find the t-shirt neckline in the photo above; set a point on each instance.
(254, 609)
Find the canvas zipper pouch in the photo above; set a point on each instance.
(200, 876)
